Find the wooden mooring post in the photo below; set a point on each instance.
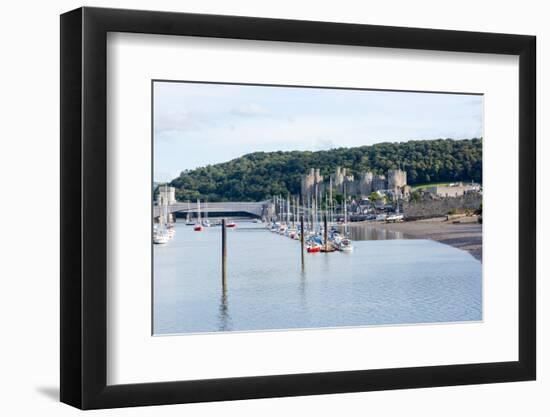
(224, 252)
(302, 239)
(325, 231)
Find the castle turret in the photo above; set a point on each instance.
(379, 183)
(365, 183)
(396, 178)
(338, 177)
(310, 180)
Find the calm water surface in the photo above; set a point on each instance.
(385, 280)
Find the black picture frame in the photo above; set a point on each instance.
(84, 207)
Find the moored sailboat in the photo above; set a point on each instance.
(165, 230)
(345, 245)
(188, 220)
(198, 227)
(160, 238)
(206, 222)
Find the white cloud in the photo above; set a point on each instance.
(250, 110)
(199, 124)
(183, 121)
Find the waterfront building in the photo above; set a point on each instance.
(453, 190)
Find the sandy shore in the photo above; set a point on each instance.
(465, 236)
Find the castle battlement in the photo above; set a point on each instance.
(341, 181)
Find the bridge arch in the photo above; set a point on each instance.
(254, 209)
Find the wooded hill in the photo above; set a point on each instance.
(258, 176)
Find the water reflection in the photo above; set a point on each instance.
(369, 233)
(302, 289)
(386, 280)
(224, 319)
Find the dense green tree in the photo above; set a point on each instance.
(258, 176)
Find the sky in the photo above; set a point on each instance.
(197, 124)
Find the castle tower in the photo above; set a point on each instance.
(309, 181)
(365, 183)
(379, 183)
(338, 177)
(396, 178)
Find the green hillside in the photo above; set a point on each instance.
(259, 175)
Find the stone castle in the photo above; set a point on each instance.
(395, 184)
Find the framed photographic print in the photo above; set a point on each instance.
(258, 207)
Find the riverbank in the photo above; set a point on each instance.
(466, 235)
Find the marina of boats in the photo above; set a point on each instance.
(265, 286)
(245, 270)
(164, 230)
(315, 223)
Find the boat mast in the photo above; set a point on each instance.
(166, 204)
(314, 204)
(315, 209)
(330, 197)
(320, 212)
(309, 207)
(161, 210)
(345, 211)
(295, 211)
(288, 210)
(198, 211)
(326, 209)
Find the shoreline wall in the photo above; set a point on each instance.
(435, 208)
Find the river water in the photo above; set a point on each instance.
(386, 280)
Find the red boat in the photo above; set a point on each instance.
(314, 248)
(198, 227)
(231, 225)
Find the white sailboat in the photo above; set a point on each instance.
(345, 244)
(345, 216)
(198, 226)
(160, 238)
(206, 222)
(160, 232)
(188, 220)
(170, 230)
